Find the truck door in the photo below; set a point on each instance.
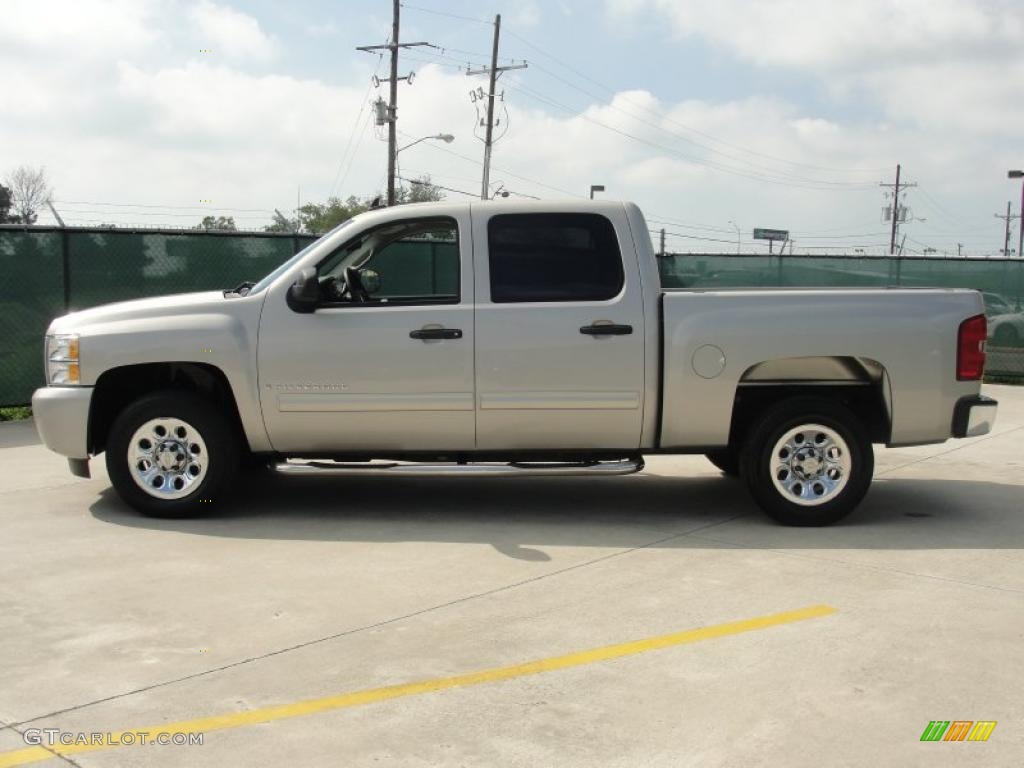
(393, 371)
(559, 331)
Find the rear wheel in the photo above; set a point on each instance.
(726, 460)
(808, 461)
(171, 454)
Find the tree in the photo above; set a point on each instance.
(29, 193)
(421, 190)
(317, 218)
(5, 206)
(219, 223)
(282, 223)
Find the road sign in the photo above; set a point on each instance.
(771, 234)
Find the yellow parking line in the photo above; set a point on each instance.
(297, 709)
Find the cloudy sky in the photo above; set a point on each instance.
(710, 115)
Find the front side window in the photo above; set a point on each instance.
(414, 261)
(553, 257)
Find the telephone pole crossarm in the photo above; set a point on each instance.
(391, 46)
(896, 189)
(394, 46)
(487, 70)
(493, 72)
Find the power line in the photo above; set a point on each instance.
(669, 119)
(445, 13)
(172, 207)
(757, 171)
(355, 127)
(783, 181)
(493, 72)
(665, 117)
(506, 171)
(393, 45)
(677, 135)
(439, 186)
(1007, 217)
(896, 211)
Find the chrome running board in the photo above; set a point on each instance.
(488, 469)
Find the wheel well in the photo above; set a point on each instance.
(119, 387)
(858, 383)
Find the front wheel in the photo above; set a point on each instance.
(171, 454)
(808, 462)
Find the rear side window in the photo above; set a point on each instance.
(553, 257)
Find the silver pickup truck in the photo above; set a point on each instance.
(508, 338)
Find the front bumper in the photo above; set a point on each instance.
(974, 416)
(62, 419)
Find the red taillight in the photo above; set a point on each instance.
(970, 348)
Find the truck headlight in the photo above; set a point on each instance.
(62, 359)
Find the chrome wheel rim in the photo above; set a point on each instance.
(810, 465)
(167, 458)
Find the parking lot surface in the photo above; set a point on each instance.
(652, 620)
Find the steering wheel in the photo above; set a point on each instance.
(355, 285)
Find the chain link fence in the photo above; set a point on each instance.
(47, 271)
(1001, 282)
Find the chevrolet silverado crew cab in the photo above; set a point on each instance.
(508, 338)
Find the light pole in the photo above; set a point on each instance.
(447, 138)
(1020, 224)
(737, 228)
(595, 188)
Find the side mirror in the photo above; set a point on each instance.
(304, 293)
(370, 278)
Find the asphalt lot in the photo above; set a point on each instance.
(312, 589)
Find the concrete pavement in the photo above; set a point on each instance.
(308, 588)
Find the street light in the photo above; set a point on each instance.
(737, 228)
(1020, 225)
(595, 188)
(447, 138)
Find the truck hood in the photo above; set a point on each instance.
(139, 309)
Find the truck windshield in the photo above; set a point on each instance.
(285, 266)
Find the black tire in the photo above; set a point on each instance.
(757, 460)
(221, 453)
(1005, 336)
(726, 460)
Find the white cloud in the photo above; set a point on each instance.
(924, 61)
(526, 13)
(232, 33)
(159, 123)
(97, 29)
(831, 35)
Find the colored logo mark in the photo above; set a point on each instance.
(958, 730)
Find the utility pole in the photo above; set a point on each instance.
(896, 207)
(56, 215)
(661, 250)
(392, 116)
(1018, 174)
(493, 72)
(1008, 217)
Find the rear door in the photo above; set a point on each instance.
(559, 330)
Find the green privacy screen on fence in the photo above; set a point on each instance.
(46, 270)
